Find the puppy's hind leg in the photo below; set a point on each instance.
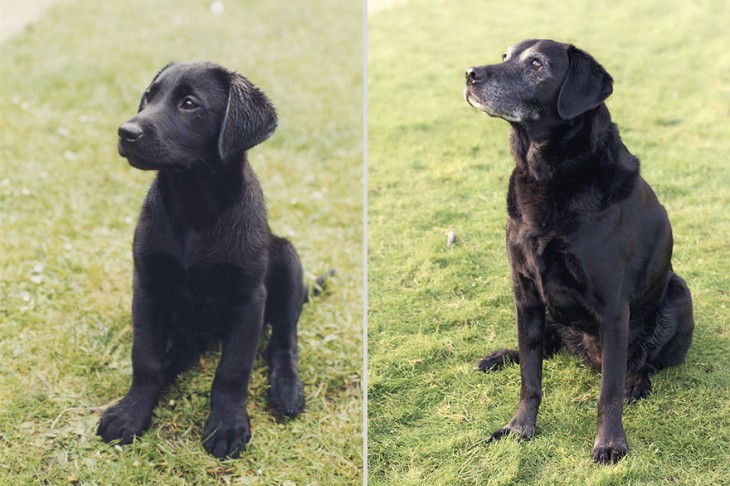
(182, 353)
(286, 295)
(499, 359)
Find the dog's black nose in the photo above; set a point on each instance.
(130, 132)
(475, 74)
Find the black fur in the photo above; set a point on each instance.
(206, 266)
(588, 242)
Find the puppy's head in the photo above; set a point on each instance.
(196, 115)
(538, 80)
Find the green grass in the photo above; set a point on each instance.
(436, 165)
(68, 205)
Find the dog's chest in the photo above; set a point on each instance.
(556, 272)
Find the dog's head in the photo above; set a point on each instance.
(538, 80)
(196, 115)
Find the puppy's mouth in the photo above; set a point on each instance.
(121, 148)
(133, 160)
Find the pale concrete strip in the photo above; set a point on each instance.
(16, 14)
(375, 6)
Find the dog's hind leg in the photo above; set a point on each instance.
(497, 360)
(669, 342)
(637, 385)
(552, 342)
(286, 295)
(675, 324)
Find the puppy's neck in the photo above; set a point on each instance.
(199, 196)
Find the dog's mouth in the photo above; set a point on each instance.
(497, 110)
(468, 97)
(475, 102)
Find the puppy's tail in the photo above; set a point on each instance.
(320, 284)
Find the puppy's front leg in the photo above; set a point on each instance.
(611, 444)
(530, 327)
(227, 429)
(133, 414)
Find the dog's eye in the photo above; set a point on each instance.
(504, 57)
(535, 65)
(188, 104)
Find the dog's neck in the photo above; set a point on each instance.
(544, 147)
(583, 153)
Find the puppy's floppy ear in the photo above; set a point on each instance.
(586, 85)
(249, 120)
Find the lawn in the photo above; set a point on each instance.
(68, 206)
(436, 165)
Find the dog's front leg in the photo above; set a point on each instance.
(227, 429)
(133, 414)
(530, 312)
(611, 444)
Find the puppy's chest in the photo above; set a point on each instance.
(199, 268)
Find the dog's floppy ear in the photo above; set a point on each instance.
(249, 120)
(586, 85)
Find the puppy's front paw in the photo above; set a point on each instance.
(226, 434)
(286, 395)
(124, 422)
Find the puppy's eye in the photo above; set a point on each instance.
(188, 104)
(535, 65)
(504, 57)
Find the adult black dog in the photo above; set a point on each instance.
(206, 265)
(588, 243)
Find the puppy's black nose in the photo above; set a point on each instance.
(475, 74)
(130, 132)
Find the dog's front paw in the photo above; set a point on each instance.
(124, 422)
(524, 432)
(609, 452)
(286, 395)
(226, 434)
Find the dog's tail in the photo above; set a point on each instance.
(320, 284)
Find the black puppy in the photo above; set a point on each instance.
(206, 265)
(588, 243)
